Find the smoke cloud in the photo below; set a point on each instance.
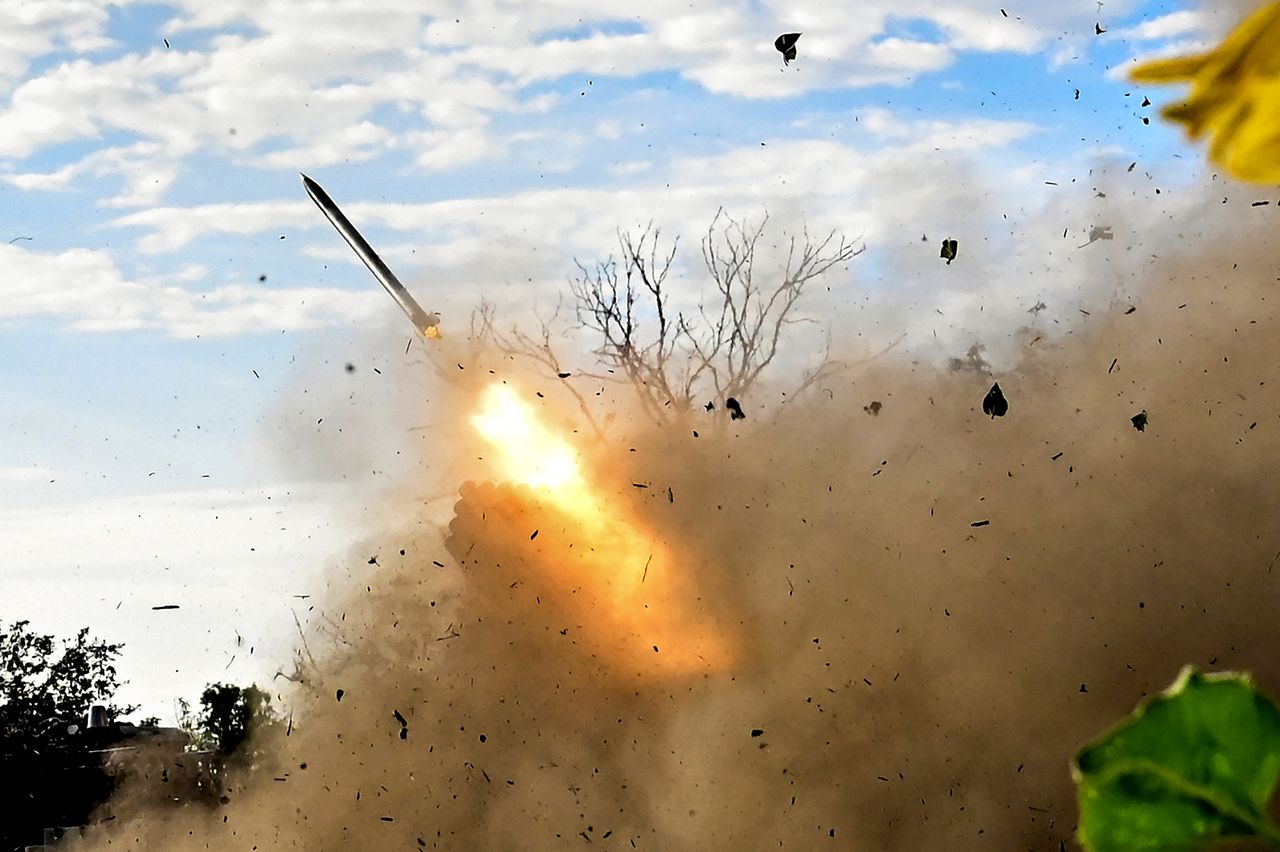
(921, 612)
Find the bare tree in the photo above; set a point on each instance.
(736, 344)
(611, 306)
(671, 357)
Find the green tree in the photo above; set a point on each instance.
(228, 717)
(47, 683)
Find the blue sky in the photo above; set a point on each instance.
(175, 316)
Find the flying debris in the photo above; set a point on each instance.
(1139, 420)
(949, 248)
(1099, 232)
(427, 325)
(786, 44)
(735, 410)
(994, 403)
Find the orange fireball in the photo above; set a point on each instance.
(599, 561)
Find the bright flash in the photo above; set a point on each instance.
(529, 453)
(600, 551)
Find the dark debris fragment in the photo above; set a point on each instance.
(735, 409)
(994, 404)
(873, 408)
(1139, 420)
(949, 249)
(786, 45)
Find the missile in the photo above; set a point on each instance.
(426, 324)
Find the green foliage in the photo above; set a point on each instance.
(1195, 764)
(46, 683)
(229, 715)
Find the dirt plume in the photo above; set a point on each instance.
(928, 609)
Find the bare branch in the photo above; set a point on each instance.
(668, 357)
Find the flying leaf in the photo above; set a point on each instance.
(1194, 764)
(994, 403)
(786, 44)
(949, 248)
(1235, 96)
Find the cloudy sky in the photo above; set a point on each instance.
(174, 313)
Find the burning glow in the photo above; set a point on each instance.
(530, 453)
(600, 557)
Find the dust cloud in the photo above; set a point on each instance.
(928, 609)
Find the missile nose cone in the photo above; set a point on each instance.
(313, 189)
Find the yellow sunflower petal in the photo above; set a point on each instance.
(1173, 70)
(1235, 96)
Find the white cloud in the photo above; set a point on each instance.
(445, 149)
(233, 561)
(632, 167)
(1173, 25)
(1176, 47)
(608, 129)
(31, 30)
(300, 86)
(147, 169)
(461, 231)
(87, 289)
(951, 135)
(30, 473)
(870, 187)
(172, 227)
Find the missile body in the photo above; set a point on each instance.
(425, 323)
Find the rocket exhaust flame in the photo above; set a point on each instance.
(424, 323)
(644, 613)
(530, 453)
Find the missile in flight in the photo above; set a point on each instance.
(427, 325)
